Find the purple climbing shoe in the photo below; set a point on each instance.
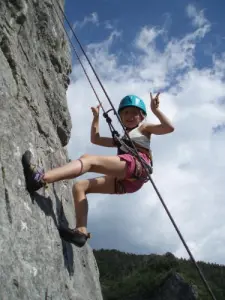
(33, 174)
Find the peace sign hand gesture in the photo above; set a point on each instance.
(154, 102)
(95, 111)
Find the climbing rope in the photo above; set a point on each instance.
(117, 138)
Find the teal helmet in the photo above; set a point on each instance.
(132, 100)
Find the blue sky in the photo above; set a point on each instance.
(130, 16)
(178, 50)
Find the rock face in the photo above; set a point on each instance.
(35, 63)
(175, 288)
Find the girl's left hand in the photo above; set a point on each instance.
(95, 111)
(154, 102)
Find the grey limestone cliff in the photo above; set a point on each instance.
(35, 64)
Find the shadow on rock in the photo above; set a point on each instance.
(67, 247)
(45, 204)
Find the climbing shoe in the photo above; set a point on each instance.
(33, 174)
(73, 236)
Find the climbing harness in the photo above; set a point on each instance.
(119, 141)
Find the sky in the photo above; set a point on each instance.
(175, 48)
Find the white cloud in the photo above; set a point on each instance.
(93, 18)
(189, 164)
(110, 25)
(146, 38)
(198, 18)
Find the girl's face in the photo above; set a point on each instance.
(131, 116)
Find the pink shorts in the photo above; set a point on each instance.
(134, 167)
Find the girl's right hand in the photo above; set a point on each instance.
(95, 111)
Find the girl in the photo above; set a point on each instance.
(123, 173)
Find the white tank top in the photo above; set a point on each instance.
(139, 138)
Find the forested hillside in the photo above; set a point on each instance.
(125, 276)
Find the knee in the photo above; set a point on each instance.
(85, 156)
(89, 158)
(80, 186)
(87, 161)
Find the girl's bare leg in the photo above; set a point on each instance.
(108, 165)
(101, 185)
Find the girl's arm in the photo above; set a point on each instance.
(96, 139)
(165, 125)
(163, 128)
